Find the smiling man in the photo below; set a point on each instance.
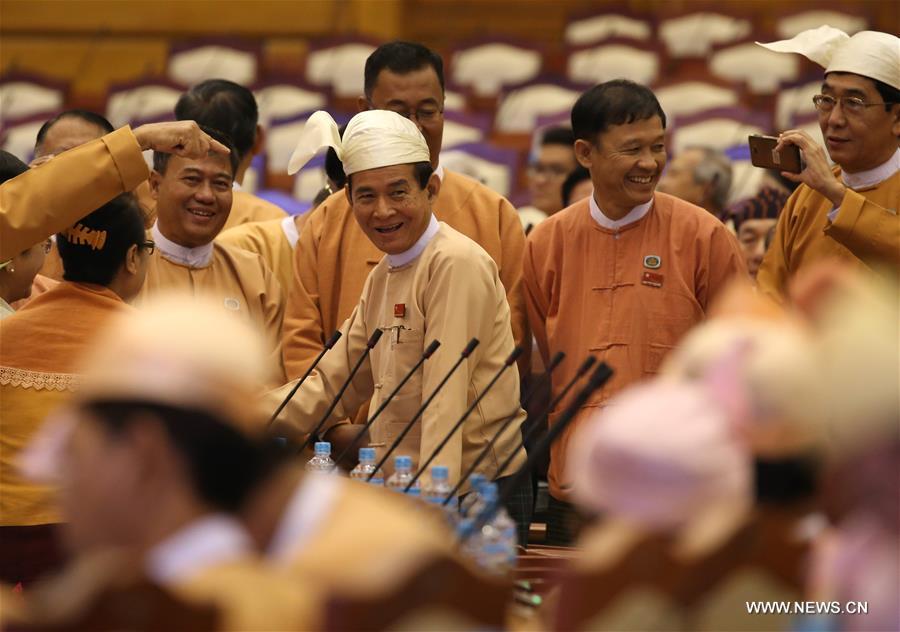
(334, 257)
(624, 273)
(848, 213)
(432, 283)
(193, 200)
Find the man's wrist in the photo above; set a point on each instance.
(836, 194)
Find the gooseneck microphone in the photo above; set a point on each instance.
(425, 355)
(328, 345)
(510, 360)
(554, 362)
(598, 378)
(373, 340)
(462, 356)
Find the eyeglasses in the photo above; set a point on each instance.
(423, 115)
(850, 105)
(555, 172)
(149, 246)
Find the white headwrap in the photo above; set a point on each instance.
(868, 53)
(373, 139)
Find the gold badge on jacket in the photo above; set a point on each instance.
(653, 262)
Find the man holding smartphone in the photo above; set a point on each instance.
(848, 213)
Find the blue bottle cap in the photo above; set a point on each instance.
(323, 447)
(402, 462)
(367, 454)
(440, 472)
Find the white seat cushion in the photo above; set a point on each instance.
(520, 109)
(213, 62)
(605, 62)
(694, 35)
(600, 27)
(490, 67)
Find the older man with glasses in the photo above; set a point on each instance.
(848, 213)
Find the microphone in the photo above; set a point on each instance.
(427, 354)
(328, 345)
(554, 362)
(506, 364)
(373, 340)
(582, 370)
(462, 356)
(598, 378)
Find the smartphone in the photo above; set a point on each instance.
(763, 154)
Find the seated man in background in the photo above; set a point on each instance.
(193, 200)
(754, 221)
(231, 108)
(104, 258)
(554, 160)
(432, 283)
(625, 273)
(578, 186)
(848, 213)
(701, 176)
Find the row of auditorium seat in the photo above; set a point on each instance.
(499, 95)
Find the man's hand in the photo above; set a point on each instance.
(182, 138)
(817, 174)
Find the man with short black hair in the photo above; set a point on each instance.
(194, 200)
(625, 273)
(333, 257)
(848, 213)
(231, 108)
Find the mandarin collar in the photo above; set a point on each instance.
(198, 257)
(398, 260)
(614, 224)
(871, 177)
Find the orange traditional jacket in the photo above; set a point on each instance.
(627, 296)
(41, 349)
(334, 257)
(50, 198)
(865, 234)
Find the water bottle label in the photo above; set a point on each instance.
(414, 491)
(376, 481)
(498, 547)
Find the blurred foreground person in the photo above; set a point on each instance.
(145, 457)
(859, 407)
(44, 344)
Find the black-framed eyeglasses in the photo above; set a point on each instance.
(149, 246)
(850, 105)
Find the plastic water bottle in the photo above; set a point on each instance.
(439, 487)
(366, 466)
(402, 476)
(473, 497)
(494, 546)
(321, 462)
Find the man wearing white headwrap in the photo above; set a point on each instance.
(333, 257)
(432, 284)
(848, 213)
